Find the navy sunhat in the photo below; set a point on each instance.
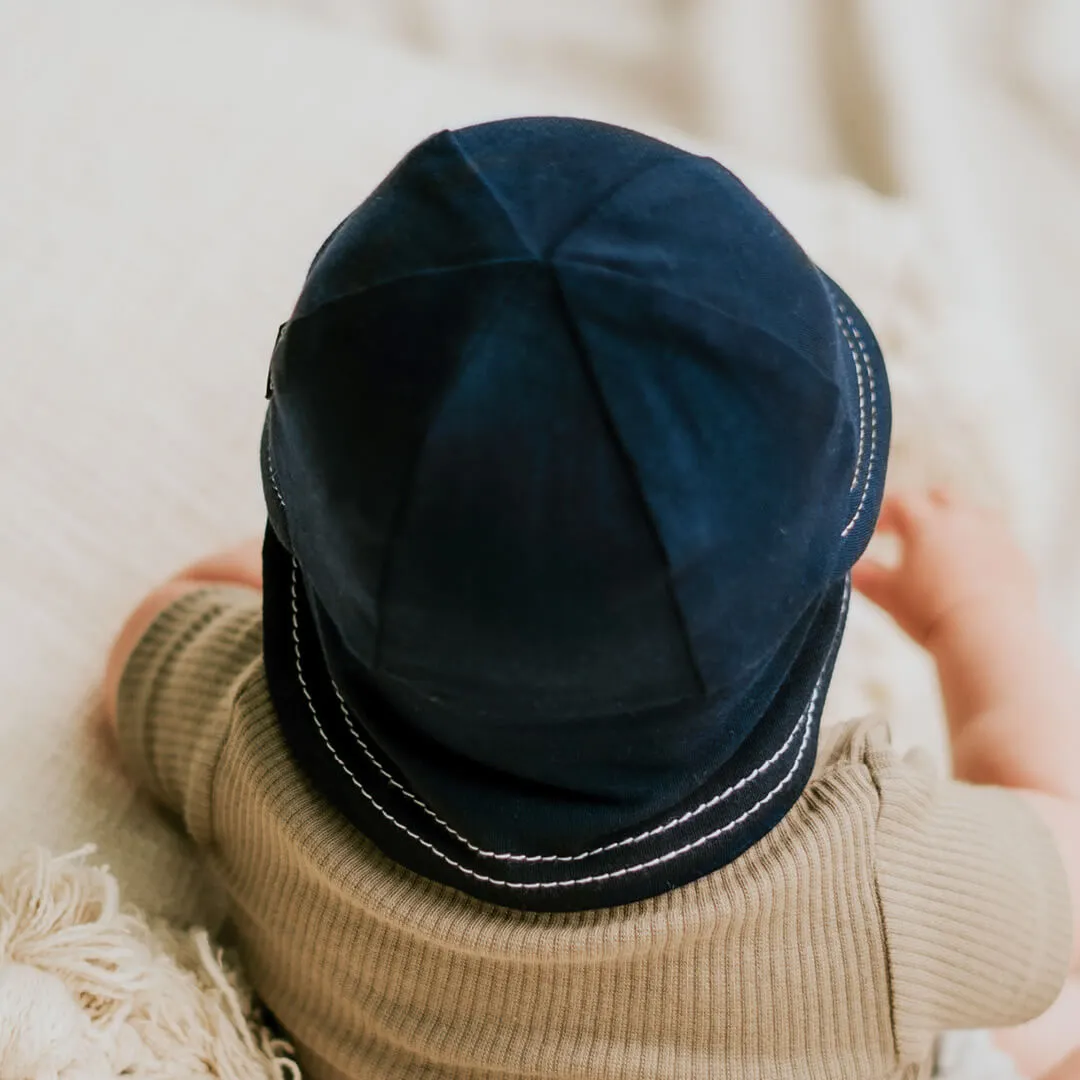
(569, 451)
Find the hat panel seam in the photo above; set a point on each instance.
(644, 283)
(413, 275)
(580, 220)
(401, 511)
(856, 346)
(493, 194)
(630, 465)
(603, 200)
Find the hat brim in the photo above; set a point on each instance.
(868, 388)
(735, 808)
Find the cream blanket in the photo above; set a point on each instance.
(167, 169)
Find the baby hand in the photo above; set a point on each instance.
(957, 562)
(239, 565)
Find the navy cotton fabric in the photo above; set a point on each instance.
(569, 450)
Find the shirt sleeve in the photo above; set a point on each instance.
(178, 695)
(974, 899)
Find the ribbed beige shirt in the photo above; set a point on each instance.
(887, 907)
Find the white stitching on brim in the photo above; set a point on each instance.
(862, 404)
(273, 481)
(507, 856)
(804, 721)
(857, 349)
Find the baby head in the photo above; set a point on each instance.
(568, 453)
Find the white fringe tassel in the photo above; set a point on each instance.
(90, 990)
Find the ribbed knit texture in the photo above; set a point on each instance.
(887, 907)
(958, 959)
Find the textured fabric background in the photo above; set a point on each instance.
(167, 170)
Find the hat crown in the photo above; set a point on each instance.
(560, 426)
